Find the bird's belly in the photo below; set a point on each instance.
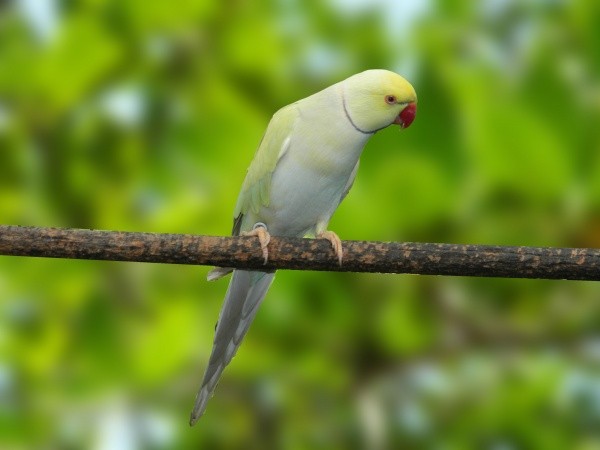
(301, 199)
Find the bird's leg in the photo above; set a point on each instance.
(260, 230)
(336, 243)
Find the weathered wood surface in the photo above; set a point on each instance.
(303, 254)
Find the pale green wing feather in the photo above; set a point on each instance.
(256, 188)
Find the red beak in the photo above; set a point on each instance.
(406, 116)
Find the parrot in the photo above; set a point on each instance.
(303, 168)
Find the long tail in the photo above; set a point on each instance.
(244, 295)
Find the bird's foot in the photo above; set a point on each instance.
(260, 231)
(336, 243)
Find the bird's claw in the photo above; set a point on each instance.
(336, 243)
(260, 231)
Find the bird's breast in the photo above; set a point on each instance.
(307, 186)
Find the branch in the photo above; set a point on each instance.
(303, 254)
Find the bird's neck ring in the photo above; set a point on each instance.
(360, 130)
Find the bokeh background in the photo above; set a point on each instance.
(143, 115)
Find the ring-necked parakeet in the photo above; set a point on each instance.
(302, 170)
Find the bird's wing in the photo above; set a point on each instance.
(256, 189)
(244, 295)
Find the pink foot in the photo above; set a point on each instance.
(260, 230)
(336, 243)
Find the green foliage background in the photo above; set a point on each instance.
(143, 115)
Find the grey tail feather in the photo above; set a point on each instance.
(244, 295)
(218, 272)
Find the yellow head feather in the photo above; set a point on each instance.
(374, 99)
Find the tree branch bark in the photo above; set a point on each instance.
(303, 254)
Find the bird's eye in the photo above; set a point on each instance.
(390, 99)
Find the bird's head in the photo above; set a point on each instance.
(375, 99)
